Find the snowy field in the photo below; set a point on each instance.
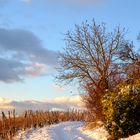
(66, 131)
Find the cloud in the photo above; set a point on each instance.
(73, 101)
(25, 45)
(10, 71)
(22, 55)
(5, 104)
(36, 69)
(59, 103)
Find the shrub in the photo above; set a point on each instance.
(122, 111)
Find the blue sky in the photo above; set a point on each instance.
(34, 30)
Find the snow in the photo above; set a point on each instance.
(134, 137)
(67, 131)
(62, 131)
(97, 133)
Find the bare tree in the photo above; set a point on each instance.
(132, 63)
(92, 58)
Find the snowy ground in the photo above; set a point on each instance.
(62, 131)
(67, 131)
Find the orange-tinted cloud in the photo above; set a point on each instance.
(36, 69)
(5, 104)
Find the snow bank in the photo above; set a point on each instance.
(134, 137)
(96, 133)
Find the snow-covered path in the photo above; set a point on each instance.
(62, 131)
(67, 131)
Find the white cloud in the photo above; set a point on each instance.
(59, 103)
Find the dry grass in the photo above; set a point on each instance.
(11, 124)
(92, 125)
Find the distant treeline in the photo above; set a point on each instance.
(10, 124)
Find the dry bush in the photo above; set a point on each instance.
(93, 104)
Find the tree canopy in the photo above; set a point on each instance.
(95, 58)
